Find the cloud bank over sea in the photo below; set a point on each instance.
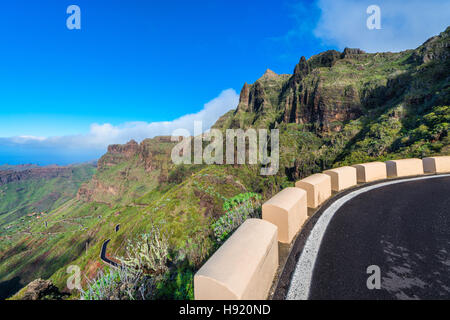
(85, 147)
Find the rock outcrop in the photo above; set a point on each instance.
(305, 96)
(308, 99)
(435, 48)
(148, 153)
(39, 290)
(351, 53)
(140, 164)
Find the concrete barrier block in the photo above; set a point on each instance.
(372, 171)
(288, 211)
(404, 168)
(317, 187)
(436, 164)
(243, 268)
(342, 178)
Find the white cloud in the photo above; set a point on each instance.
(404, 24)
(102, 135)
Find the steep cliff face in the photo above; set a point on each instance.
(129, 171)
(311, 98)
(305, 97)
(118, 153)
(332, 88)
(151, 153)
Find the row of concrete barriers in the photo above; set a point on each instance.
(244, 267)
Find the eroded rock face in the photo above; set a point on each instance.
(87, 192)
(309, 101)
(41, 290)
(436, 48)
(351, 53)
(244, 97)
(140, 162)
(325, 59)
(262, 95)
(146, 152)
(327, 90)
(304, 97)
(128, 150)
(118, 153)
(301, 69)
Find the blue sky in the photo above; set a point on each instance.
(139, 68)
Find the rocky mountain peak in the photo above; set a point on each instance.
(144, 161)
(436, 48)
(302, 68)
(128, 150)
(269, 74)
(351, 52)
(132, 142)
(324, 59)
(244, 97)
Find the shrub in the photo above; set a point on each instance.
(196, 250)
(177, 285)
(242, 207)
(150, 270)
(121, 283)
(147, 254)
(239, 199)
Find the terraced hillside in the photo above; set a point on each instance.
(29, 193)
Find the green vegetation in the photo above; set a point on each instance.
(119, 284)
(149, 270)
(25, 201)
(148, 254)
(37, 195)
(233, 202)
(238, 209)
(395, 135)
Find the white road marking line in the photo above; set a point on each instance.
(301, 279)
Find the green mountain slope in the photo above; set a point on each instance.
(26, 201)
(40, 193)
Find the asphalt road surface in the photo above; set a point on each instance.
(103, 256)
(402, 228)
